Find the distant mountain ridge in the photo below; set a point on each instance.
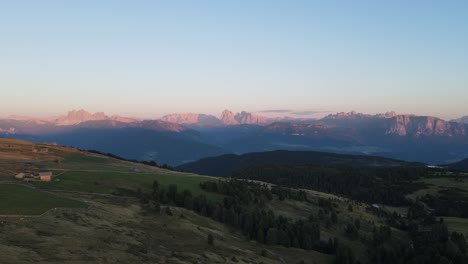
(410, 137)
(130, 138)
(192, 119)
(390, 122)
(227, 118)
(460, 165)
(82, 119)
(404, 125)
(463, 119)
(401, 125)
(76, 117)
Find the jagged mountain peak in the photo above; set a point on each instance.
(250, 118)
(75, 117)
(192, 119)
(228, 118)
(416, 126)
(348, 115)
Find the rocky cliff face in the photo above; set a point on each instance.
(393, 124)
(250, 118)
(228, 118)
(76, 117)
(416, 126)
(346, 116)
(192, 119)
(186, 118)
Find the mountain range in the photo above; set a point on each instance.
(227, 118)
(180, 138)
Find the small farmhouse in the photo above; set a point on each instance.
(44, 150)
(45, 176)
(20, 175)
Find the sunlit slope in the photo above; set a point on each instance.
(78, 171)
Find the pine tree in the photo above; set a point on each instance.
(272, 236)
(210, 240)
(260, 236)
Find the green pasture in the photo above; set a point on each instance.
(457, 224)
(448, 182)
(108, 182)
(20, 200)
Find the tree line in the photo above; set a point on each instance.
(372, 185)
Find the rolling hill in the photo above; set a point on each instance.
(222, 165)
(461, 165)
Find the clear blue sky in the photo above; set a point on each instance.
(149, 58)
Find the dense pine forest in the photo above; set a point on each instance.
(373, 185)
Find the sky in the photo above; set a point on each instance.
(150, 58)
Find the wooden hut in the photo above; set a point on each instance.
(45, 176)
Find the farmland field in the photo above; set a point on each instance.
(20, 200)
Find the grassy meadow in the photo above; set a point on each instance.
(78, 171)
(457, 224)
(108, 182)
(20, 200)
(448, 182)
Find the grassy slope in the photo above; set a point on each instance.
(87, 172)
(107, 182)
(20, 200)
(116, 231)
(457, 224)
(447, 182)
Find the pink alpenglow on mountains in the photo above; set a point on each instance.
(227, 118)
(76, 117)
(192, 119)
(416, 126)
(251, 118)
(388, 123)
